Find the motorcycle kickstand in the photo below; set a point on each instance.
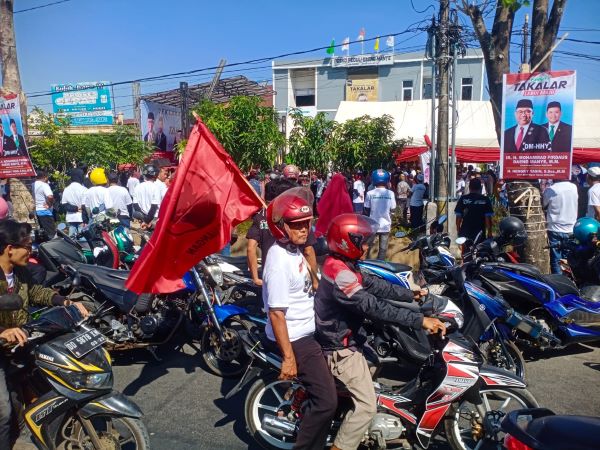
(152, 349)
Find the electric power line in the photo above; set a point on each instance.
(41, 6)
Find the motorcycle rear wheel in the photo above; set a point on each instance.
(469, 436)
(118, 433)
(230, 359)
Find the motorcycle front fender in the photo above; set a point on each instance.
(493, 376)
(224, 312)
(112, 404)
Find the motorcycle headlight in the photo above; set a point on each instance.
(79, 380)
(216, 273)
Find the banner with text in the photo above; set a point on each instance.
(361, 89)
(537, 124)
(85, 104)
(161, 125)
(14, 158)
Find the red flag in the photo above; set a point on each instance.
(208, 197)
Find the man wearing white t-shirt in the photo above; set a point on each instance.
(96, 198)
(44, 198)
(132, 182)
(161, 185)
(593, 176)
(146, 197)
(120, 199)
(379, 203)
(358, 194)
(72, 201)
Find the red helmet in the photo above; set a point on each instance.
(293, 205)
(347, 234)
(291, 171)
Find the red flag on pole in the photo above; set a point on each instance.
(208, 197)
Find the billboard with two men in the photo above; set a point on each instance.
(537, 124)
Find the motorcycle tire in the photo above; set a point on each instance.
(513, 351)
(254, 398)
(455, 438)
(230, 361)
(73, 426)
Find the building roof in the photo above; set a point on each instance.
(225, 89)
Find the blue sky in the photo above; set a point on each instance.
(117, 40)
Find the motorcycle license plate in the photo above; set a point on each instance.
(85, 342)
(436, 289)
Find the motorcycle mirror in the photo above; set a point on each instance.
(442, 219)
(460, 240)
(400, 234)
(62, 226)
(76, 279)
(11, 302)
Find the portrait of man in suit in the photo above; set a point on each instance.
(560, 133)
(14, 145)
(150, 135)
(526, 136)
(161, 137)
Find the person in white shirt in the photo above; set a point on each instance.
(146, 197)
(402, 191)
(132, 182)
(560, 202)
(120, 199)
(161, 185)
(358, 193)
(593, 179)
(72, 201)
(379, 203)
(44, 198)
(96, 198)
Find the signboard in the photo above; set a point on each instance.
(85, 104)
(537, 124)
(160, 125)
(361, 89)
(14, 157)
(376, 59)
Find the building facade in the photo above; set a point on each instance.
(319, 85)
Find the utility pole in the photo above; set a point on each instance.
(525, 52)
(137, 113)
(183, 93)
(215, 79)
(443, 64)
(431, 54)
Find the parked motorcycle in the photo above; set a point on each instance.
(453, 387)
(62, 386)
(541, 429)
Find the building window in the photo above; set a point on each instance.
(467, 89)
(427, 88)
(305, 97)
(407, 90)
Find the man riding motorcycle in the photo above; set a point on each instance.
(15, 246)
(344, 299)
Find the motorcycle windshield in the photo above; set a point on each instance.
(55, 320)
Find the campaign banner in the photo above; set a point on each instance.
(84, 104)
(537, 125)
(161, 125)
(14, 157)
(362, 89)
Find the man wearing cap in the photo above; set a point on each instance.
(560, 133)
(526, 136)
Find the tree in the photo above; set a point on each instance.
(309, 141)
(365, 143)
(524, 197)
(57, 149)
(247, 130)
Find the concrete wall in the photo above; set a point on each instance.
(391, 78)
(331, 87)
(281, 88)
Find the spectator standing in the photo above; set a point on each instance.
(379, 204)
(96, 197)
(120, 199)
(402, 191)
(146, 197)
(593, 177)
(474, 212)
(72, 201)
(44, 199)
(133, 182)
(254, 182)
(416, 203)
(358, 193)
(560, 203)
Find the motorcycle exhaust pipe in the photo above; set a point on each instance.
(278, 426)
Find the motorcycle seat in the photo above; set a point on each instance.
(561, 432)
(111, 282)
(388, 265)
(561, 284)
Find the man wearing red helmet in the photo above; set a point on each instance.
(345, 298)
(288, 300)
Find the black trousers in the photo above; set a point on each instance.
(315, 376)
(5, 407)
(48, 225)
(416, 216)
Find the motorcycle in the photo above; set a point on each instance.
(453, 388)
(541, 429)
(61, 384)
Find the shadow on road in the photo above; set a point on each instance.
(592, 365)
(576, 349)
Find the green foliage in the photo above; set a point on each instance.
(365, 143)
(515, 4)
(56, 149)
(309, 141)
(247, 130)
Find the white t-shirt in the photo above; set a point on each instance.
(381, 201)
(132, 183)
(42, 191)
(74, 194)
(359, 191)
(145, 195)
(286, 285)
(593, 200)
(162, 188)
(560, 201)
(120, 198)
(97, 197)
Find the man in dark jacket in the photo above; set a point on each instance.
(344, 299)
(560, 133)
(526, 136)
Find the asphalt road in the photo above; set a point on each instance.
(184, 408)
